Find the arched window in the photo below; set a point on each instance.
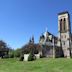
(61, 25)
(64, 24)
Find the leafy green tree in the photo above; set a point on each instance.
(4, 49)
(11, 53)
(26, 49)
(17, 52)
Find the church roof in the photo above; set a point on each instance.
(52, 34)
(42, 36)
(63, 12)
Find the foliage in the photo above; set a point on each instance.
(31, 56)
(26, 49)
(4, 49)
(14, 53)
(21, 58)
(11, 53)
(17, 52)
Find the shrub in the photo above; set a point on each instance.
(31, 56)
(11, 54)
(17, 53)
(6, 56)
(21, 58)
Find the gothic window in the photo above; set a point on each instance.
(64, 24)
(61, 25)
(63, 43)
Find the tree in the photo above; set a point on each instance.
(17, 52)
(31, 55)
(26, 49)
(11, 53)
(4, 49)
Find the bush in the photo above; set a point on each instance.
(31, 56)
(11, 54)
(21, 58)
(6, 56)
(17, 53)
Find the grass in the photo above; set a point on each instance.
(41, 65)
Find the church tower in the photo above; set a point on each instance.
(64, 33)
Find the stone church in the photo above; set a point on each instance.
(61, 45)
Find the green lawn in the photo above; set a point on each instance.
(41, 65)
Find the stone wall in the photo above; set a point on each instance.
(51, 51)
(48, 51)
(58, 52)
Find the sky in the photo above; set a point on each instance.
(21, 19)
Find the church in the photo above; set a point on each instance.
(61, 45)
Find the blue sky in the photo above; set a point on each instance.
(20, 19)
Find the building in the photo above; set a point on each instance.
(59, 46)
